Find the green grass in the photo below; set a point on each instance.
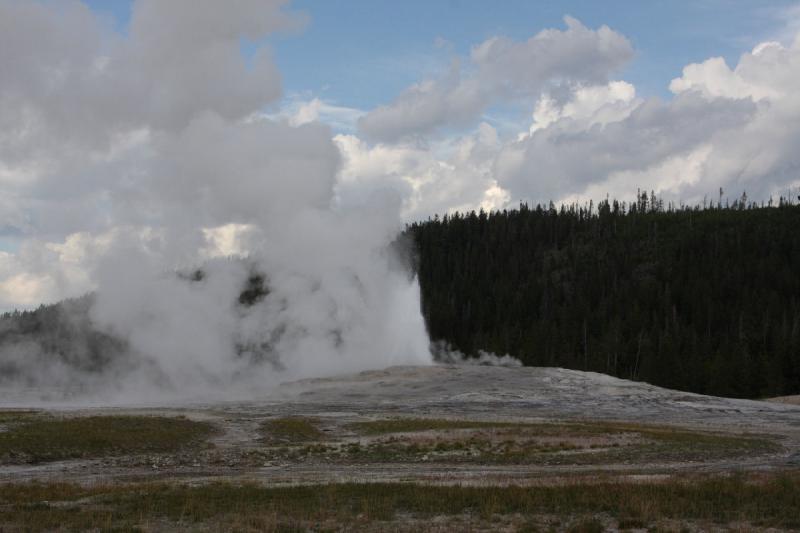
(765, 502)
(289, 430)
(32, 438)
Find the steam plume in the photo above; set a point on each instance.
(159, 152)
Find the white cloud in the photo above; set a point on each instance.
(72, 90)
(24, 289)
(340, 118)
(672, 174)
(227, 240)
(568, 155)
(306, 112)
(735, 128)
(589, 105)
(500, 69)
(714, 79)
(732, 128)
(447, 176)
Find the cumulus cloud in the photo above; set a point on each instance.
(570, 154)
(731, 128)
(588, 105)
(589, 136)
(501, 69)
(447, 176)
(74, 92)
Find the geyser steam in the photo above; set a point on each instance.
(160, 136)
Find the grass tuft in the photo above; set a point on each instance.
(410, 425)
(588, 525)
(35, 438)
(290, 430)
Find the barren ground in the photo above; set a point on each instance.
(455, 425)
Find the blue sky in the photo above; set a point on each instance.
(361, 53)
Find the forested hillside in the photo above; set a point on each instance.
(704, 299)
(63, 336)
(60, 334)
(699, 299)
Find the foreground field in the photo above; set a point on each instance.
(690, 504)
(440, 448)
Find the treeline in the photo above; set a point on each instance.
(61, 333)
(703, 299)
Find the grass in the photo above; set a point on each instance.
(588, 525)
(573, 443)
(33, 438)
(15, 415)
(763, 502)
(666, 444)
(290, 430)
(410, 425)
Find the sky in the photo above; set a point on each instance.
(360, 53)
(108, 106)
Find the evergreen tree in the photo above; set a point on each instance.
(704, 299)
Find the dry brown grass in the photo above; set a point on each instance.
(572, 443)
(772, 501)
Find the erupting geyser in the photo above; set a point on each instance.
(189, 174)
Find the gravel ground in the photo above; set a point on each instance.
(487, 393)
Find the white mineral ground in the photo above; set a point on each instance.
(488, 393)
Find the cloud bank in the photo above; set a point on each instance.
(589, 135)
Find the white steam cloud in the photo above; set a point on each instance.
(147, 156)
